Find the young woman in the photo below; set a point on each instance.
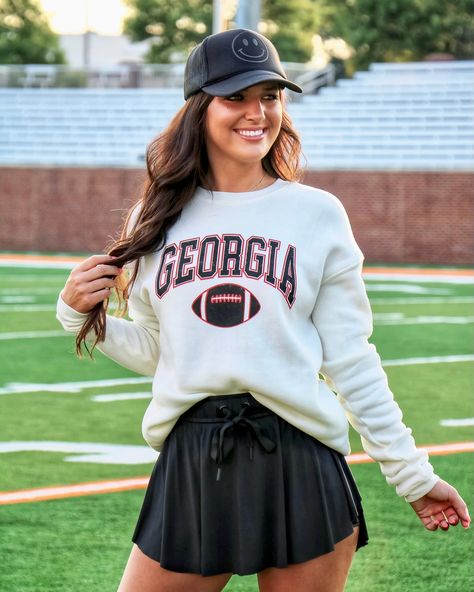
(248, 308)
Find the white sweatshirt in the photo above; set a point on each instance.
(259, 292)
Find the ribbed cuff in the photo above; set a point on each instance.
(422, 490)
(70, 319)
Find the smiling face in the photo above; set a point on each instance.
(241, 128)
(249, 48)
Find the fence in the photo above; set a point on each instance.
(135, 76)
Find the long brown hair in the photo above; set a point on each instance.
(177, 164)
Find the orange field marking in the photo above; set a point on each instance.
(39, 258)
(22, 258)
(66, 491)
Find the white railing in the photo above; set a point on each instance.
(132, 76)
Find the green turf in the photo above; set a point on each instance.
(82, 543)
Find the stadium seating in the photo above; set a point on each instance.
(404, 116)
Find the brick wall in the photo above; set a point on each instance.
(412, 217)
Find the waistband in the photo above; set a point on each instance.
(211, 409)
(229, 412)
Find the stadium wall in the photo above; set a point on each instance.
(400, 217)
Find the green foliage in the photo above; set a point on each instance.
(25, 35)
(70, 79)
(175, 27)
(401, 30)
(291, 27)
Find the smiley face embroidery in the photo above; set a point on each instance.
(249, 48)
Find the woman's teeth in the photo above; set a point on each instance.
(251, 133)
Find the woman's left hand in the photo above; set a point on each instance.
(442, 507)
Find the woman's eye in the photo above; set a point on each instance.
(240, 97)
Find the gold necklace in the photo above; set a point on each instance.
(255, 186)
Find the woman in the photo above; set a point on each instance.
(244, 285)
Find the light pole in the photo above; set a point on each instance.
(87, 38)
(248, 14)
(217, 16)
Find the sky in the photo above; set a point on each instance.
(72, 16)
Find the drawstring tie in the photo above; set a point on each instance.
(222, 443)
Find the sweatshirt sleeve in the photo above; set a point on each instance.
(343, 319)
(132, 343)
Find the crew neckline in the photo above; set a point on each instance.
(234, 198)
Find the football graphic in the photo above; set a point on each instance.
(226, 305)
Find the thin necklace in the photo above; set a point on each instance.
(255, 186)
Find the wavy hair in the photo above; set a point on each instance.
(177, 164)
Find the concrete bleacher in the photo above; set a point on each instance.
(412, 116)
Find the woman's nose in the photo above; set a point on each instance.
(255, 110)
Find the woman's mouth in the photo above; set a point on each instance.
(251, 134)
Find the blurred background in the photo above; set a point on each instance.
(387, 118)
(387, 125)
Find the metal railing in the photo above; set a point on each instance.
(134, 76)
(312, 80)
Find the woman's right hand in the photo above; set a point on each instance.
(90, 282)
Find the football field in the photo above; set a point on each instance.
(73, 464)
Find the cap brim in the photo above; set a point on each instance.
(239, 82)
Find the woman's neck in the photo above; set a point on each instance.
(231, 180)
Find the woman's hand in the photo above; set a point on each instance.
(442, 507)
(90, 282)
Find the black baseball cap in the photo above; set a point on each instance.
(227, 62)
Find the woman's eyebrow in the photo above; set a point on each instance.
(265, 88)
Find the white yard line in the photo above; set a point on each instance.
(17, 299)
(121, 397)
(423, 300)
(456, 423)
(27, 308)
(407, 288)
(86, 452)
(32, 290)
(32, 278)
(377, 301)
(399, 319)
(430, 360)
(77, 387)
(33, 335)
(70, 387)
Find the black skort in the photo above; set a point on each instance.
(238, 489)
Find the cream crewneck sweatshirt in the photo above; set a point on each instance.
(260, 292)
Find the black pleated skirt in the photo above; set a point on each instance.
(238, 489)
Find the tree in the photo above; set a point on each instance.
(401, 30)
(291, 27)
(176, 27)
(25, 35)
(452, 27)
(179, 25)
